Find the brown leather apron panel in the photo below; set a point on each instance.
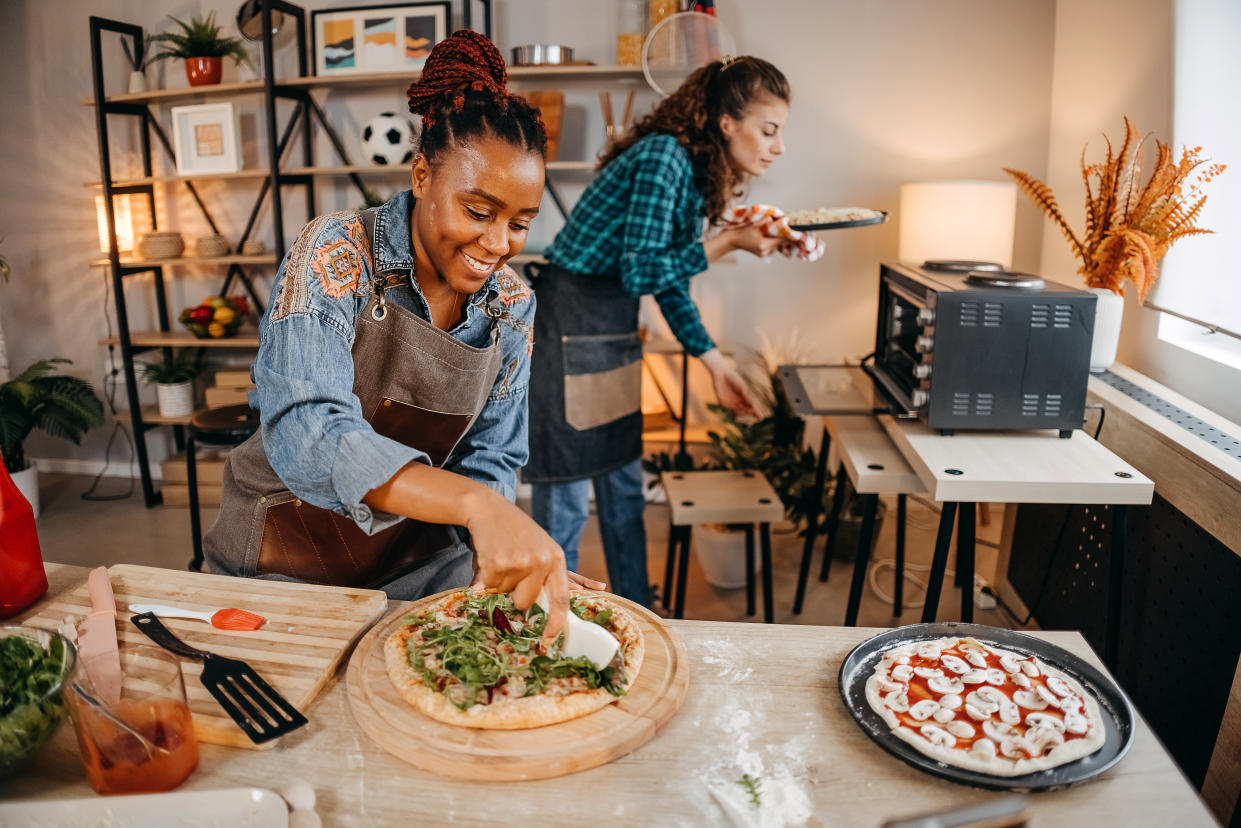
(435, 432)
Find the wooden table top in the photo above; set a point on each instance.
(763, 700)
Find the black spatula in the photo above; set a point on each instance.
(261, 712)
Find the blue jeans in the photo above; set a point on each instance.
(562, 509)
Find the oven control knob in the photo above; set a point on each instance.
(919, 397)
(922, 370)
(924, 344)
(926, 316)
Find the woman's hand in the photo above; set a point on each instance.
(513, 554)
(752, 239)
(730, 386)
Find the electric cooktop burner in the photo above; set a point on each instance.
(1005, 279)
(960, 265)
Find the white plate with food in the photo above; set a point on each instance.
(233, 807)
(835, 218)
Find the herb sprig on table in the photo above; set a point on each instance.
(753, 786)
(481, 663)
(27, 672)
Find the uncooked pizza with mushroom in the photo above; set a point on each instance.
(973, 705)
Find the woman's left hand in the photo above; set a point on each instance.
(576, 580)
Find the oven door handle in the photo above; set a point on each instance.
(896, 406)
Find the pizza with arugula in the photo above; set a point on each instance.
(475, 660)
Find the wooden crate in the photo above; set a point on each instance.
(218, 396)
(233, 378)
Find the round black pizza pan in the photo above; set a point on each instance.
(1114, 706)
(840, 225)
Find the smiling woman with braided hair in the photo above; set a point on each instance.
(392, 371)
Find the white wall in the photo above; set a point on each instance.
(883, 93)
(1114, 58)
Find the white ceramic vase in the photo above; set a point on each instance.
(27, 481)
(176, 399)
(137, 81)
(721, 554)
(1109, 310)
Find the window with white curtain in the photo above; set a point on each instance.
(1201, 275)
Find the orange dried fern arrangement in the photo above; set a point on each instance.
(1130, 226)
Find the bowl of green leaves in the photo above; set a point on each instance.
(35, 666)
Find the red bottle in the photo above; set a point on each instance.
(22, 577)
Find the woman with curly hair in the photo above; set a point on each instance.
(392, 371)
(638, 230)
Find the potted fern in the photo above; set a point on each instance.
(199, 43)
(61, 405)
(174, 376)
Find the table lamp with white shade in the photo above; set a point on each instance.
(958, 220)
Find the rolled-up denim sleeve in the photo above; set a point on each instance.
(315, 436)
(497, 444)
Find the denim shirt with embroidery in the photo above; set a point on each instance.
(314, 433)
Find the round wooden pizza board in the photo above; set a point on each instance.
(514, 755)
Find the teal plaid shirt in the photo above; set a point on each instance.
(641, 221)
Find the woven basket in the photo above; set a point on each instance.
(210, 246)
(254, 247)
(161, 244)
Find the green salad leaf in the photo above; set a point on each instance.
(27, 672)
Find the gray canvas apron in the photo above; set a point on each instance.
(417, 385)
(585, 377)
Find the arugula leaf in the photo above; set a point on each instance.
(28, 672)
(753, 786)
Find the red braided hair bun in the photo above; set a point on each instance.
(464, 61)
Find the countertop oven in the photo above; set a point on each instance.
(968, 345)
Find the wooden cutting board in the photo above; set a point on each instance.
(308, 631)
(514, 755)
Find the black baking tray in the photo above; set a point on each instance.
(1116, 709)
(839, 225)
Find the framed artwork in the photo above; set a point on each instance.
(371, 39)
(205, 139)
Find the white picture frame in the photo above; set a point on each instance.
(205, 139)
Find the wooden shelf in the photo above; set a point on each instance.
(558, 74)
(265, 259)
(246, 338)
(150, 414)
(358, 169)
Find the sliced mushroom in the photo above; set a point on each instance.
(1043, 738)
(1057, 685)
(960, 729)
(1016, 748)
(901, 659)
(983, 749)
(886, 684)
(902, 672)
(1010, 713)
(1046, 695)
(988, 698)
(944, 715)
(974, 677)
(928, 672)
(996, 677)
(954, 664)
(1029, 700)
(929, 649)
(976, 714)
(977, 658)
(945, 685)
(897, 700)
(1020, 679)
(923, 709)
(938, 736)
(952, 701)
(1071, 703)
(1031, 667)
(1045, 720)
(1075, 722)
(998, 730)
(1008, 662)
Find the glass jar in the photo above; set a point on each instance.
(630, 31)
(661, 9)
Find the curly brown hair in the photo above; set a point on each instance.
(691, 115)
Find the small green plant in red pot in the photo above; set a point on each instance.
(199, 43)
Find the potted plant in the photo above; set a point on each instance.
(139, 58)
(174, 376)
(61, 405)
(199, 43)
(1129, 225)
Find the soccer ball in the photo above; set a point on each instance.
(387, 140)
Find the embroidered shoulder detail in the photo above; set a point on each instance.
(334, 259)
(512, 288)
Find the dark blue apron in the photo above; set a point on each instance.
(585, 377)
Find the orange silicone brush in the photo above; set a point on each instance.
(228, 618)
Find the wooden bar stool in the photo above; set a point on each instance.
(719, 497)
(875, 467)
(230, 425)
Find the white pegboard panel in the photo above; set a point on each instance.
(1224, 442)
